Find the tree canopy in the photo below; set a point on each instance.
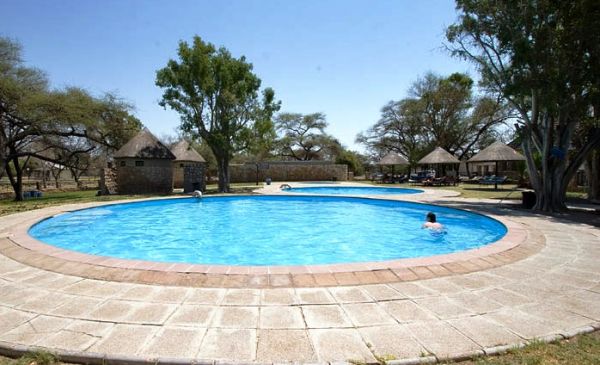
(50, 125)
(541, 57)
(303, 137)
(217, 97)
(439, 112)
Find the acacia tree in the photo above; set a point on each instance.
(217, 97)
(441, 111)
(304, 138)
(542, 57)
(36, 122)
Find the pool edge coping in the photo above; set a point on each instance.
(518, 243)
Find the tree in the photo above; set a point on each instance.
(356, 162)
(542, 57)
(399, 129)
(303, 136)
(50, 125)
(440, 112)
(217, 98)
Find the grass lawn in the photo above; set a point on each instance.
(9, 206)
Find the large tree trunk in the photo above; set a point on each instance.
(16, 179)
(223, 169)
(592, 170)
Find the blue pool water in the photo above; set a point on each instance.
(266, 230)
(352, 190)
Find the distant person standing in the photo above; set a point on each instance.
(432, 223)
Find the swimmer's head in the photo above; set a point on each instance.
(431, 217)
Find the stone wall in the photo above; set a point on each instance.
(289, 171)
(144, 176)
(197, 172)
(193, 177)
(108, 181)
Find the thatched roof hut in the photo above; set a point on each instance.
(144, 146)
(392, 159)
(495, 152)
(144, 165)
(439, 156)
(184, 152)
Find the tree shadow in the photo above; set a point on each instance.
(575, 215)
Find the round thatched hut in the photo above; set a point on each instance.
(144, 165)
(188, 167)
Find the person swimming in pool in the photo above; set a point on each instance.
(432, 223)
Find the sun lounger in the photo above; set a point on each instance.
(492, 180)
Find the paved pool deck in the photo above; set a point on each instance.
(547, 287)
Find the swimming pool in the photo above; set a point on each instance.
(266, 230)
(351, 190)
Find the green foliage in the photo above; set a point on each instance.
(32, 358)
(440, 112)
(304, 137)
(355, 161)
(217, 98)
(52, 125)
(542, 58)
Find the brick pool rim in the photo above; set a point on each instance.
(519, 242)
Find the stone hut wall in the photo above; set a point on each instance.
(144, 176)
(193, 177)
(178, 171)
(289, 171)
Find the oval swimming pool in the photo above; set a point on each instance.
(266, 230)
(351, 190)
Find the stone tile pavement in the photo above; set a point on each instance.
(555, 291)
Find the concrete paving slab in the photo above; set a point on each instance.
(170, 295)
(151, 313)
(241, 297)
(281, 318)
(505, 297)
(112, 310)
(340, 345)
(392, 342)
(413, 290)
(229, 344)
(407, 311)
(175, 343)
(350, 295)
(325, 316)
(314, 296)
(78, 307)
(382, 292)
(474, 303)
(193, 315)
(211, 296)
(90, 328)
(441, 286)
(443, 307)
(484, 332)
(68, 340)
(11, 319)
(278, 297)
(283, 346)
(367, 314)
(442, 339)
(46, 303)
(236, 317)
(522, 324)
(125, 339)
